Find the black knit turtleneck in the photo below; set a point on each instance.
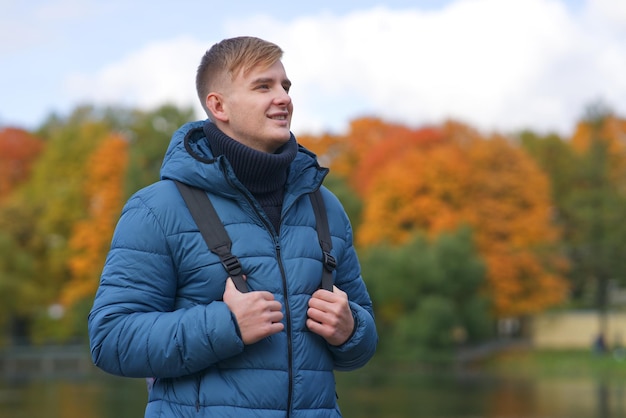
(263, 174)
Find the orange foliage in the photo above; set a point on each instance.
(18, 151)
(520, 283)
(436, 180)
(418, 190)
(512, 224)
(514, 195)
(325, 147)
(363, 134)
(367, 148)
(612, 131)
(382, 154)
(91, 237)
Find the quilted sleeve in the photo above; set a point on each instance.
(361, 346)
(135, 329)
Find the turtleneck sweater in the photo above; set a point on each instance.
(262, 173)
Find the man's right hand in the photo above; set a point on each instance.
(258, 314)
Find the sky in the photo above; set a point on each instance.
(497, 65)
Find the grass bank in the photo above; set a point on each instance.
(555, 363)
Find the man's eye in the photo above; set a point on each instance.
(263, 86)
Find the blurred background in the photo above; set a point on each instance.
(478, 146)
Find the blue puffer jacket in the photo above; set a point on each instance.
(158, 311)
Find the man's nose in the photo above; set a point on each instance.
(283, 98)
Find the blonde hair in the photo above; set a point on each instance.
(231, 56)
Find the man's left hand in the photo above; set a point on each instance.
(330, 316)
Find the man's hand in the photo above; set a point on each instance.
(258, 314)
(330, 316)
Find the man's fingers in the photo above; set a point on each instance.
(230, 283)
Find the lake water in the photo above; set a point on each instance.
(362, 394)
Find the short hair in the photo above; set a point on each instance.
(230, 56)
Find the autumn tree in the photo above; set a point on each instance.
(48, 220)
(512, 215)
(487, 183)
(364, 150)
(601, 126)
(417, 190)
(18, 151)
(42, 214)
(90, 239)
(148, 133)
(326, 147)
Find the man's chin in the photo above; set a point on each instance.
(283, 135)
(281, 140)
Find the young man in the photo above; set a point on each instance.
(165, 307)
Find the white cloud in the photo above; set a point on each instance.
(609, 11)
(68, 10)
(43, 22)
(158, 73)
(492, 63)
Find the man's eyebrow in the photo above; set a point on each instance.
(264, 80)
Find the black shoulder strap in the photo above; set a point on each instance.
(218, 241)
(213, 231)
(323, 233)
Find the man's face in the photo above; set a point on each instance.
(257, 108)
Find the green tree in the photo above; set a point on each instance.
(556, 158)
(596, 208)
(15, 286)
(588, 175)
(428, 295)
(351, 202)
(149, 134)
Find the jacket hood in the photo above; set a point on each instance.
(189, 159)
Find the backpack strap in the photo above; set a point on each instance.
(323, 233)
(219, 243)
(213, 231)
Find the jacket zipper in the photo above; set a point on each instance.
(283, 276)
(289, 327)
(199, 383)
(269, 228)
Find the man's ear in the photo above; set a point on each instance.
(215, 105)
